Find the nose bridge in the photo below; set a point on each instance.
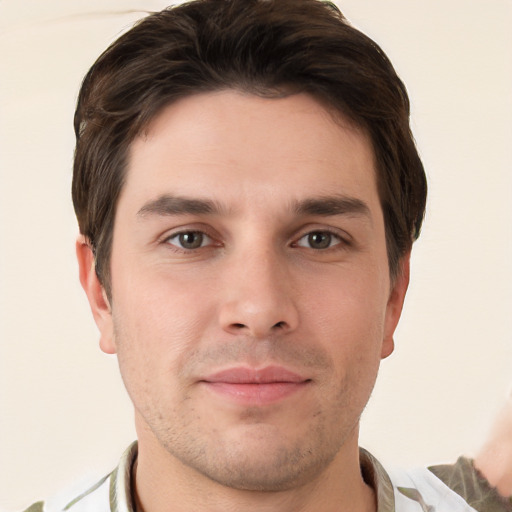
(259, 298)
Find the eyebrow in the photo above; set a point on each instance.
(177, 205)
(324, 206)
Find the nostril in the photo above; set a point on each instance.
(239, 326)
(279, 325)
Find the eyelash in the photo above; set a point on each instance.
(339, 240)
(331, 234)
(179, 234)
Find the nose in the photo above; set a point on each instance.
(258, 296)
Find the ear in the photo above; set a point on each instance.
(395, 305)
(96, 294)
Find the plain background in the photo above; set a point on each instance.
(64, 412)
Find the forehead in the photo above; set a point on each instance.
(232, 144)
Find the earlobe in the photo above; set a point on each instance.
(395, 305)
(98, 300)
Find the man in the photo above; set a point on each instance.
(248, 190)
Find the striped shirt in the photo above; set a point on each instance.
(449, 488)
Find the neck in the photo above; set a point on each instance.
(160, 480)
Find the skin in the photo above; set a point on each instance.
(273, 282)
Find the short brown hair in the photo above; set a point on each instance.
(265, 47)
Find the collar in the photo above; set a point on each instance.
(376, 477)
(121, 488)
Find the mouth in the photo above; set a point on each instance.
(250, 386)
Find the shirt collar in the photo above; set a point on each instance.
(121, 489)
(377, 478)
(121, 481)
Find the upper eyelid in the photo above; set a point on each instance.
(175, 231)
(338, 232)
(339, 239)
(177, 234)
(182, 231)
(329, 231)
(215, 236)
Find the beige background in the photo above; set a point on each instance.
(64, 413)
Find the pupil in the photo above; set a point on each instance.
(191, 240)
(319, 240)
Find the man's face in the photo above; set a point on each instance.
(251, 299)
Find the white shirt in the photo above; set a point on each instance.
(417, 490)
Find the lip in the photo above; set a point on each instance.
(251, 386)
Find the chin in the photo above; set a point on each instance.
(261, 458)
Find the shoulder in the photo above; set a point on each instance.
(110, 493)
(463, 478)
(446, 488)
(77, 499)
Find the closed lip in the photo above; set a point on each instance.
(255, 387)
(248, 375)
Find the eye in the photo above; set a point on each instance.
(319, 240)
(189, 240)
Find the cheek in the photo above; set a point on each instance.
(349, 305)
(157, 321)
(347, 319)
